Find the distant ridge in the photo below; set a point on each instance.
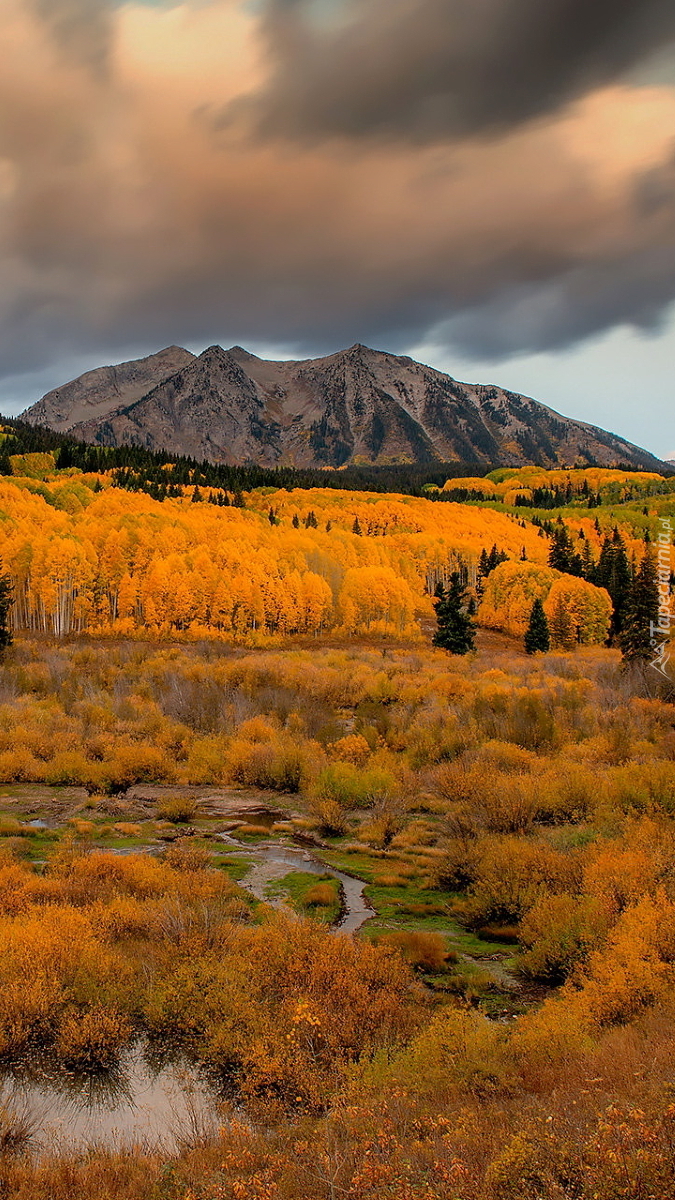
(356, 406)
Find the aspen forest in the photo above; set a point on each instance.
(397, 922)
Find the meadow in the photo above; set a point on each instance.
(513, 823)
(502, 1024)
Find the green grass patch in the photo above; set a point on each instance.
(315, 896)
(235, 867)
(361, 866)
(121, 843)
(36, 848)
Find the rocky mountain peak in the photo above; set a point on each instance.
(358, 404)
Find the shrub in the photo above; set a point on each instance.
(511, 874)
(274, 766)
(127, 829)
(424, 951)
(188, 858)
(177, 809)
(20, 766)
(70, 767)
(350, 787)
(10, 827)
(91, 1038)
(353, 749)
(135, 764)
(331, 818)
(560, 932)
(321, 895)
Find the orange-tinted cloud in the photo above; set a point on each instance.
(131, 213)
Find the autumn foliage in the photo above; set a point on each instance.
(504, 1026)
(121, 562)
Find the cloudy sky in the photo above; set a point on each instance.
(488, 185)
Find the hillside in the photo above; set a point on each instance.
(298, 562)
(85, 556)
(356, 406)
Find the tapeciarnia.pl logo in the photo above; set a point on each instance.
(660, 632)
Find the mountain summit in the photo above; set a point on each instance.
(359, 405)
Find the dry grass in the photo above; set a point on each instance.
(321, 895)
(178, 810)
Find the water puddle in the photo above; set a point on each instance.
(143, 1100)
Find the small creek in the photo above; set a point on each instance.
(272, 861)
(149, 1100)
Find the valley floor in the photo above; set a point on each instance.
(406, 919)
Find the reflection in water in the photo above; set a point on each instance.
(145, 1099)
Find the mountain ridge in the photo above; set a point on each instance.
(356, 405)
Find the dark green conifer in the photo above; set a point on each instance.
(613, 573)
(456, 631)
(561, 628)
(537, 637)
(6, 602)
(642, 611)
(562, 556)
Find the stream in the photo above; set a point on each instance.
(273, 861)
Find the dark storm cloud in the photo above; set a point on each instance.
(569, 308)
(427, 69)
(81, 29)
(125, 221)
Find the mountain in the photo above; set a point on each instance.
(94, 395)
(358, 405)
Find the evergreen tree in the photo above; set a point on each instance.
(356, 528)
(296, 521)
(6, 602)
(562, 556)
(482, 572)
(642, 610)
(588, 562)
(613, 573)
(561, 629)
(456, 631)
(537, 637)
(495, 557)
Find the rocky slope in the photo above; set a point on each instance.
(357, 405)
(94, 395)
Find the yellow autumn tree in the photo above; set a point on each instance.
(376, 599)
(510, 592)
(588, 608)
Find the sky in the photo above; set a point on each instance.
(487, 185)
